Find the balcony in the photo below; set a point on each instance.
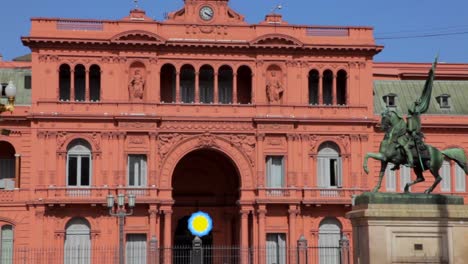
(308, 195)
(330, 195)
(91, 195)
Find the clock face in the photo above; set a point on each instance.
(206, 13)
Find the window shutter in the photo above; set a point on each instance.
(339, 175)
(321, 172)
(144, 176)
(390, 178)
(405, 176)
(7, 244)
(445, 174)
(460, 180)
(268, 171)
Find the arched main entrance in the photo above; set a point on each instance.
(206, 180)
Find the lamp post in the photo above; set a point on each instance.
(10, 93)
(121, 212)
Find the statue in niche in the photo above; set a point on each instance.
(136, 86)
(274, 87)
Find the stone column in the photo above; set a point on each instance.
(87, 87)
(261, 233)
(177, 99)
(260, 161)
(292, 230)
(197, 87)
(153, 219)
(320, 90)
(244, 236)
(72, 85)
(216, 89)
(167, 235)
(234, 88)
(17, 171)
(334, 89)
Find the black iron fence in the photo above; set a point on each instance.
(189, 254)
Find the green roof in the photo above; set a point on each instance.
(409, 91)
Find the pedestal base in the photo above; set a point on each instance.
(389, 228)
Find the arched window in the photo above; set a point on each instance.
(7, 165)
(329, 241)
(94, 83)
(313, 87)
(244, 85)
(6, 245)
(80, 82)
(79, 164)
(64, 82)
(327, 87)
(187, 84)
(168, 83)
(329, 166)
(341, 87)
(77, 248)
(206, 84)
(225, 82)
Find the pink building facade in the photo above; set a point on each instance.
(263, 126)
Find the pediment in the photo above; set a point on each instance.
(138, 36)
(276, 40)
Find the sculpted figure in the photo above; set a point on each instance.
(274, 88)
(403, 143)
(136, 86)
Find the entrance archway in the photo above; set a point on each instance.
(206, 180)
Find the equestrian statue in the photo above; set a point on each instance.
(403, 143)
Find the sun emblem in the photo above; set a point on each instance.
(200, 224)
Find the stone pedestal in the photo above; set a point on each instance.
(409, 228)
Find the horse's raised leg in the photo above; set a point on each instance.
(377, 156)
(383, 166)
(437, 180)
(419, 178)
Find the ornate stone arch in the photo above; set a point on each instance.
(342, 149)
(206, 141)
(63, 140)
(7, 221)
(138, 37)
(276, 39)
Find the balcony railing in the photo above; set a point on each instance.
(60, 194)
(331, 195)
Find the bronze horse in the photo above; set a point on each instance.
(391, 151)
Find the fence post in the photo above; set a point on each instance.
(153, 250)
(302, 250)
(344, 249)
(197, 251)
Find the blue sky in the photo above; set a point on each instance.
(395, 18)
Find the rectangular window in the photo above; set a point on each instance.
(275, 172)
(460, 181)
(27, 82)
(135, 248)
(136, 170)
(6, 245)
(276, 248)
(445, 174)
(79, 170)
(390, 178)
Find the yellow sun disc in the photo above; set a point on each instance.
(200, 223)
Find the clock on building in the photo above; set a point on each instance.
(206, 13)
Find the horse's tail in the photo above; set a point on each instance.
(457, 155)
